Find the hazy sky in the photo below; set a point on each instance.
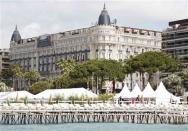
(37, 17)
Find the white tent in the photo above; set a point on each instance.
(148, 91)
(125, 93)
(163, 96)
(66, 93)
(135, 92)
(17, 95)
(3, 94)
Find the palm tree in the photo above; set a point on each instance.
(174, 84)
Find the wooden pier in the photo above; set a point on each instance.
(14, 117)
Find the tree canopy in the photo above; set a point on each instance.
(152, 62)
(3, 87)
(90, 73)
(40, 86)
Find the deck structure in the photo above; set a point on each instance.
(78, 115)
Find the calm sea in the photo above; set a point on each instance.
(95, 127)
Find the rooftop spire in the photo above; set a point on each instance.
(16, 28)
(104, 8)
(16, 37)
(104, 18)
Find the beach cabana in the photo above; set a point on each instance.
(135, 92)
(16, 95)
(65, 93)
(163, 96)
(125, 93)
(148, 91)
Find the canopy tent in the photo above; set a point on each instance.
(125, 93)
(148, 91)
(135, 92)
(163, 96)
(65, 93)
(3, 94)
(17, 95)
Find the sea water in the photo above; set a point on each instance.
(95, 127)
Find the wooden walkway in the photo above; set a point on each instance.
(81, 116)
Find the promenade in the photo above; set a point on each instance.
(67, 112)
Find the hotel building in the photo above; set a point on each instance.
(4, 59)
(105, 40)
(175, 43)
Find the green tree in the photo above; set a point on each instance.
(6, 76)
(17, 76)
(101, 70)
(66, 66)
(174, 84)
(3, 87)
(152, 62)
(184, 77)
(40, 86)
(31, 77)
(62, 81)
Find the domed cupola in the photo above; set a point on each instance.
(104, 18)
(16, 37)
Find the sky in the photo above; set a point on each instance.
(39, 17)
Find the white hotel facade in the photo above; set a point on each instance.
(105, 40)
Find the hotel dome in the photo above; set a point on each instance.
(104, 18)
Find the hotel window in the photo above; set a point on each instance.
(85, 39)
(125, 39)
(140, 41)
(155, 43)
(40, 68)
(103, 38)
(134, 40)
(44, 60)
(40, 60)
(103, 54)
(120, 55)
(149, 42)
(136, 74)
(78, 57)
(130, 40)
(142, 50)
(83, 57)
(45, 68)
